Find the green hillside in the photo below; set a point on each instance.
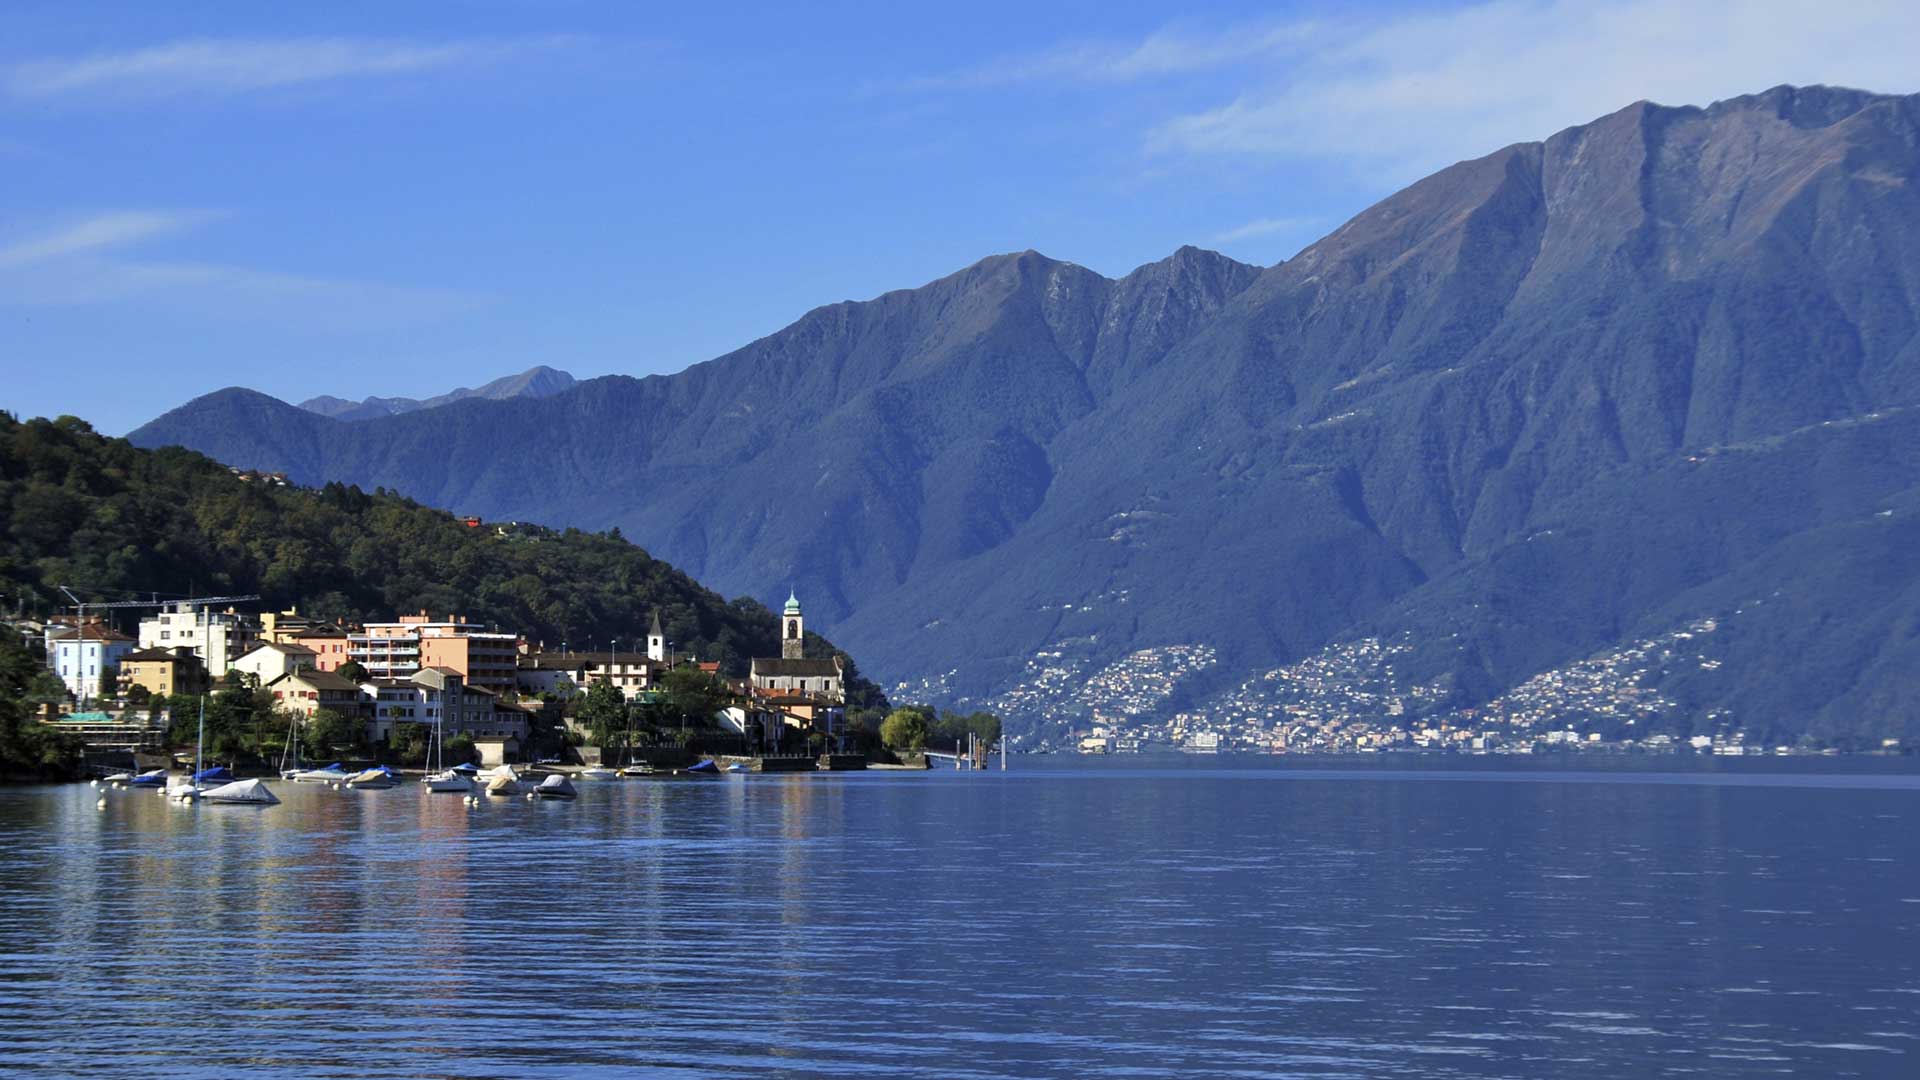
(112, 521)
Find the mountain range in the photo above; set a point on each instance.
(535, 382)
(1656, 372)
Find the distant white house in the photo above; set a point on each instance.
(269, 660)
(78, 654)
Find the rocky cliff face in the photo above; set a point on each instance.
(1522, 411)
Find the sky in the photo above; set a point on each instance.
(399, 198)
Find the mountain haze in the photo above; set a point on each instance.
(1656, 369)
(535, 382)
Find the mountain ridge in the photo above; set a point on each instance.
(535, 382)
(1025, 458)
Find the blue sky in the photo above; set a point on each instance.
(394, 198)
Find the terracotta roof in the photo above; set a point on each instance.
(292, 650)
(98, 633)
(319, 680)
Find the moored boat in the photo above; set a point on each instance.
(709, 767)
(638, 768)
(450, 782)
(150, 778)
(332, 774)
(504, 781)
(375, 779)
(597, 772)
(242, 792)
(556, 787)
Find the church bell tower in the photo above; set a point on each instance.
(792, 629)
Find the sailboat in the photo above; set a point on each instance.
(190, 791)
(441, 780)
(291, 748)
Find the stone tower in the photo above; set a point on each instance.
(792, 630)
(656, 640)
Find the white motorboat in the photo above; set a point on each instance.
(449, 783)
(118, 778)
(556, 787)
(596, 772)
(242, 792)
(638, 768)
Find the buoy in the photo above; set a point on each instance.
(93, 783)
(529, 796)
(101, 805)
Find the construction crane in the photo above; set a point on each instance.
(81, 607)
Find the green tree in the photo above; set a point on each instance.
(904, 729)
(109, 683)
(326, 733)
(408, 743)
(461, 751)
(28, 748)
(352, 671)
(604, 713)
(687, 694)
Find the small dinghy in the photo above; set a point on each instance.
(708, 767)
(242, 792)
(377, 778)
(597, 772)
(332, 774)
(556, 787)
(150, 778)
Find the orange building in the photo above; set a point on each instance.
(395, 650)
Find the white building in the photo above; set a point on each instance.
(269, 660)
(438, 695)
(218, 638)
(79, 654)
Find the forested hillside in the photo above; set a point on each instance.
(112, 521)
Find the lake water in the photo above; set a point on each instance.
(1061, 919)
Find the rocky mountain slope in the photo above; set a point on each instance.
(1650, 370)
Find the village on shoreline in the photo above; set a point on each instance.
(277, 685)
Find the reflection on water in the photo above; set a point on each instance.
(1079, 921)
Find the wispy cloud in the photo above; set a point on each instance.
(238, 65)
(1409, 94)
(1264, 227)
(104, 232)
(1393, 96)
(1170, 51)
(89, 262)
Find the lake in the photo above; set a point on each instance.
(1411, 917)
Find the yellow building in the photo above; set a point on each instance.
(163, 672)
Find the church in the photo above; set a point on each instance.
(795, 696)
(791, 672)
